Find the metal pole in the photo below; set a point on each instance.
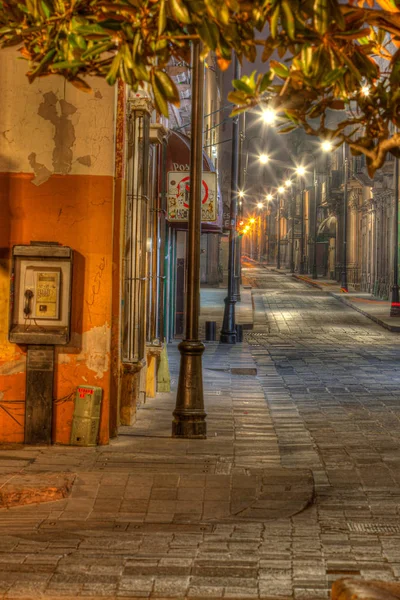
(189, 414)
(344, 287)
(228, 331)
(314, 269)
(293, 205)
(301, 269)
(395, 302)
(278, 256)
(238, 248)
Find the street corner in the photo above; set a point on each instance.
(22, 489)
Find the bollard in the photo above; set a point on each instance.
(211, 331)
(239, 333)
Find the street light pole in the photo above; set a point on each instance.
(314, 269)
(278, 255)
(395, 301)
(293, 207)
(228, 331)
(189, 414)
(301, 269)
(344, 287)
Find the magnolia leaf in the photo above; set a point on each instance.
(159, 98)
(240, 85)
(81, 85)
(279, 69)
(180, 11)
(167, 87)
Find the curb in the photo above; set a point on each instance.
(392, 328)
(307, 281)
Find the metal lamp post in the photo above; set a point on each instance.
(344, 287)
(395, 300)
(228, 331)
(189, 414)
(293, 209)
(281, 190)
(314, 268)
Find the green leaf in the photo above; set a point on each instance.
(265, 82)
(279, 69)
(159, 98)
(180, 12)
(167, 87)
(240, 85)
(288, 19)
(274, 22)
(66, 64)
(162, 18)
(112, 74)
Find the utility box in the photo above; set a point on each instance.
(86, 419)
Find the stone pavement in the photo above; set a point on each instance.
(230, 516)
(367, 304)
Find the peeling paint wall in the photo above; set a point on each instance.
(56, 184)
(41, 124)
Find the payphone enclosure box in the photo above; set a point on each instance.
(40, 294)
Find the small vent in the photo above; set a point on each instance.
(374, 528)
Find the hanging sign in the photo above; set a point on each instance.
(179, 191)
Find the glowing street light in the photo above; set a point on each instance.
(252, 221)
(264, 158)
(300, 171)
(281, 189)
(260, 205)
(241, 194)
(288, 182)
(326, 146)
(270, 197)
(269, 116)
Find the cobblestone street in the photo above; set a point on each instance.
(297, 484)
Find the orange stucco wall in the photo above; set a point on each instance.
(77, 211)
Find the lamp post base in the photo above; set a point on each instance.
(301, 267)
(314, 273)
(343, 283)
(395, 302)
(189, 414)
(228, 331)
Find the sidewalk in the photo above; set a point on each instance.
(375, 309)
(155, 517)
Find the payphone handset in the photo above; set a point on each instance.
(42, 293)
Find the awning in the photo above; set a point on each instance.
(327, 228)
(178, 159)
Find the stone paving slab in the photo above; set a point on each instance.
(20, 488)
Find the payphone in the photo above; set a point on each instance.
(40, 317)
(41, 283)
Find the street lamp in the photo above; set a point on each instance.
(269, 116)
(326, 147)
(395, 301)
(343, 284)
(228, 331)
(281, 190)
(300, 171)
(264, 158)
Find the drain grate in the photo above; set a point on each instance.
(377, 528)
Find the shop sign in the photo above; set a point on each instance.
(178, 196)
